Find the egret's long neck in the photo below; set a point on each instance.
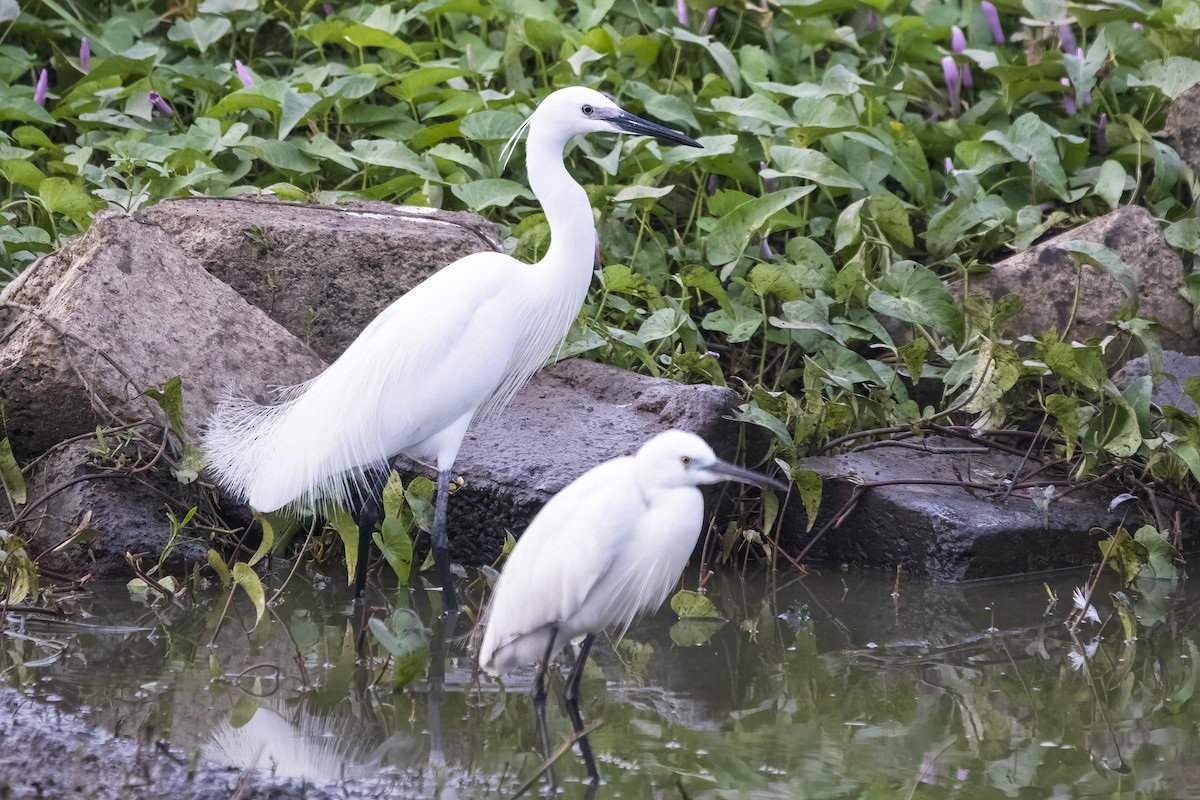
(568, 212)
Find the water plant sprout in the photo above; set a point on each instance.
(459, 344)
(608, 547)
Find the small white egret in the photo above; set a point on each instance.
(608, 547)
(459, 344)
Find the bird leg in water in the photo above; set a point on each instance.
(539, 706)
(571, 697)
(369, 515)
(441, 543)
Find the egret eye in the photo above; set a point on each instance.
(685, 460)
(587, 110)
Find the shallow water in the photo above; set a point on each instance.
(823, 686)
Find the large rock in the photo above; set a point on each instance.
(86, 330)
(1177, 368)
(1062, 295)
(945, 531)
(322, 272)
(122, 511)
(1183, 127)
(569, 418)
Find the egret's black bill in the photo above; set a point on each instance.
(733, 472)
(631, 123)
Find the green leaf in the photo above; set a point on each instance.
(888, 212)
(913, 355)
(1123, 555)
(795, 162)
(17, 170)
(1160, 555)
(347, 530)
(268, 541)
(732, 233)
(914, 293)
(1066, 410)
(201, 31)
(490, 126)
(170, 400)
(810, 486)
(694, 632)
(997, 369)
(419, 498)
(1110, 183)
(219, 566)
(296, 106)
(754, 107)
(396, 545)
(10, 474)
(352, 35)
(246, 578)
(383, 153)
(661, 324)
(693, 605)
(478, 195)
(1172, 76)
(406, 639)
(60, 196)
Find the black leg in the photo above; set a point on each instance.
(571, 696)
(539, 706)
(369, 515)
(441, 542)
(443, 632)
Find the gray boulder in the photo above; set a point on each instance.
(945, 531)
(1082, 300)
(1177, 368)
(570, 417)
(1183, 127)
(122, 309)
(322, 272)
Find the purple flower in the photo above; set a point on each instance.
(872, 21)
(681, 13)
(1102, 134)
(967, 80)
(328, 10)
(710, 16)
(1068, 97)
(1137, 26)
(953, 82)
(766, 250)
(244, 74)
(157, 101)
(958, 39)
(1066, 38)
(993, 18)
(85, 55)
(43, 85)
(928, 772)
(768, 183)
(949, 165)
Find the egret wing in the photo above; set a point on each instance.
(566, 552)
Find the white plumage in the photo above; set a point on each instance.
(459, 344)
(607, 548)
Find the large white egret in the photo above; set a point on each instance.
(458, 345)
(608, 547)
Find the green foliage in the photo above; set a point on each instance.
(840, 184)
(18, 572)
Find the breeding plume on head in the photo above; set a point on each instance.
(457, 345)
(608, 547)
